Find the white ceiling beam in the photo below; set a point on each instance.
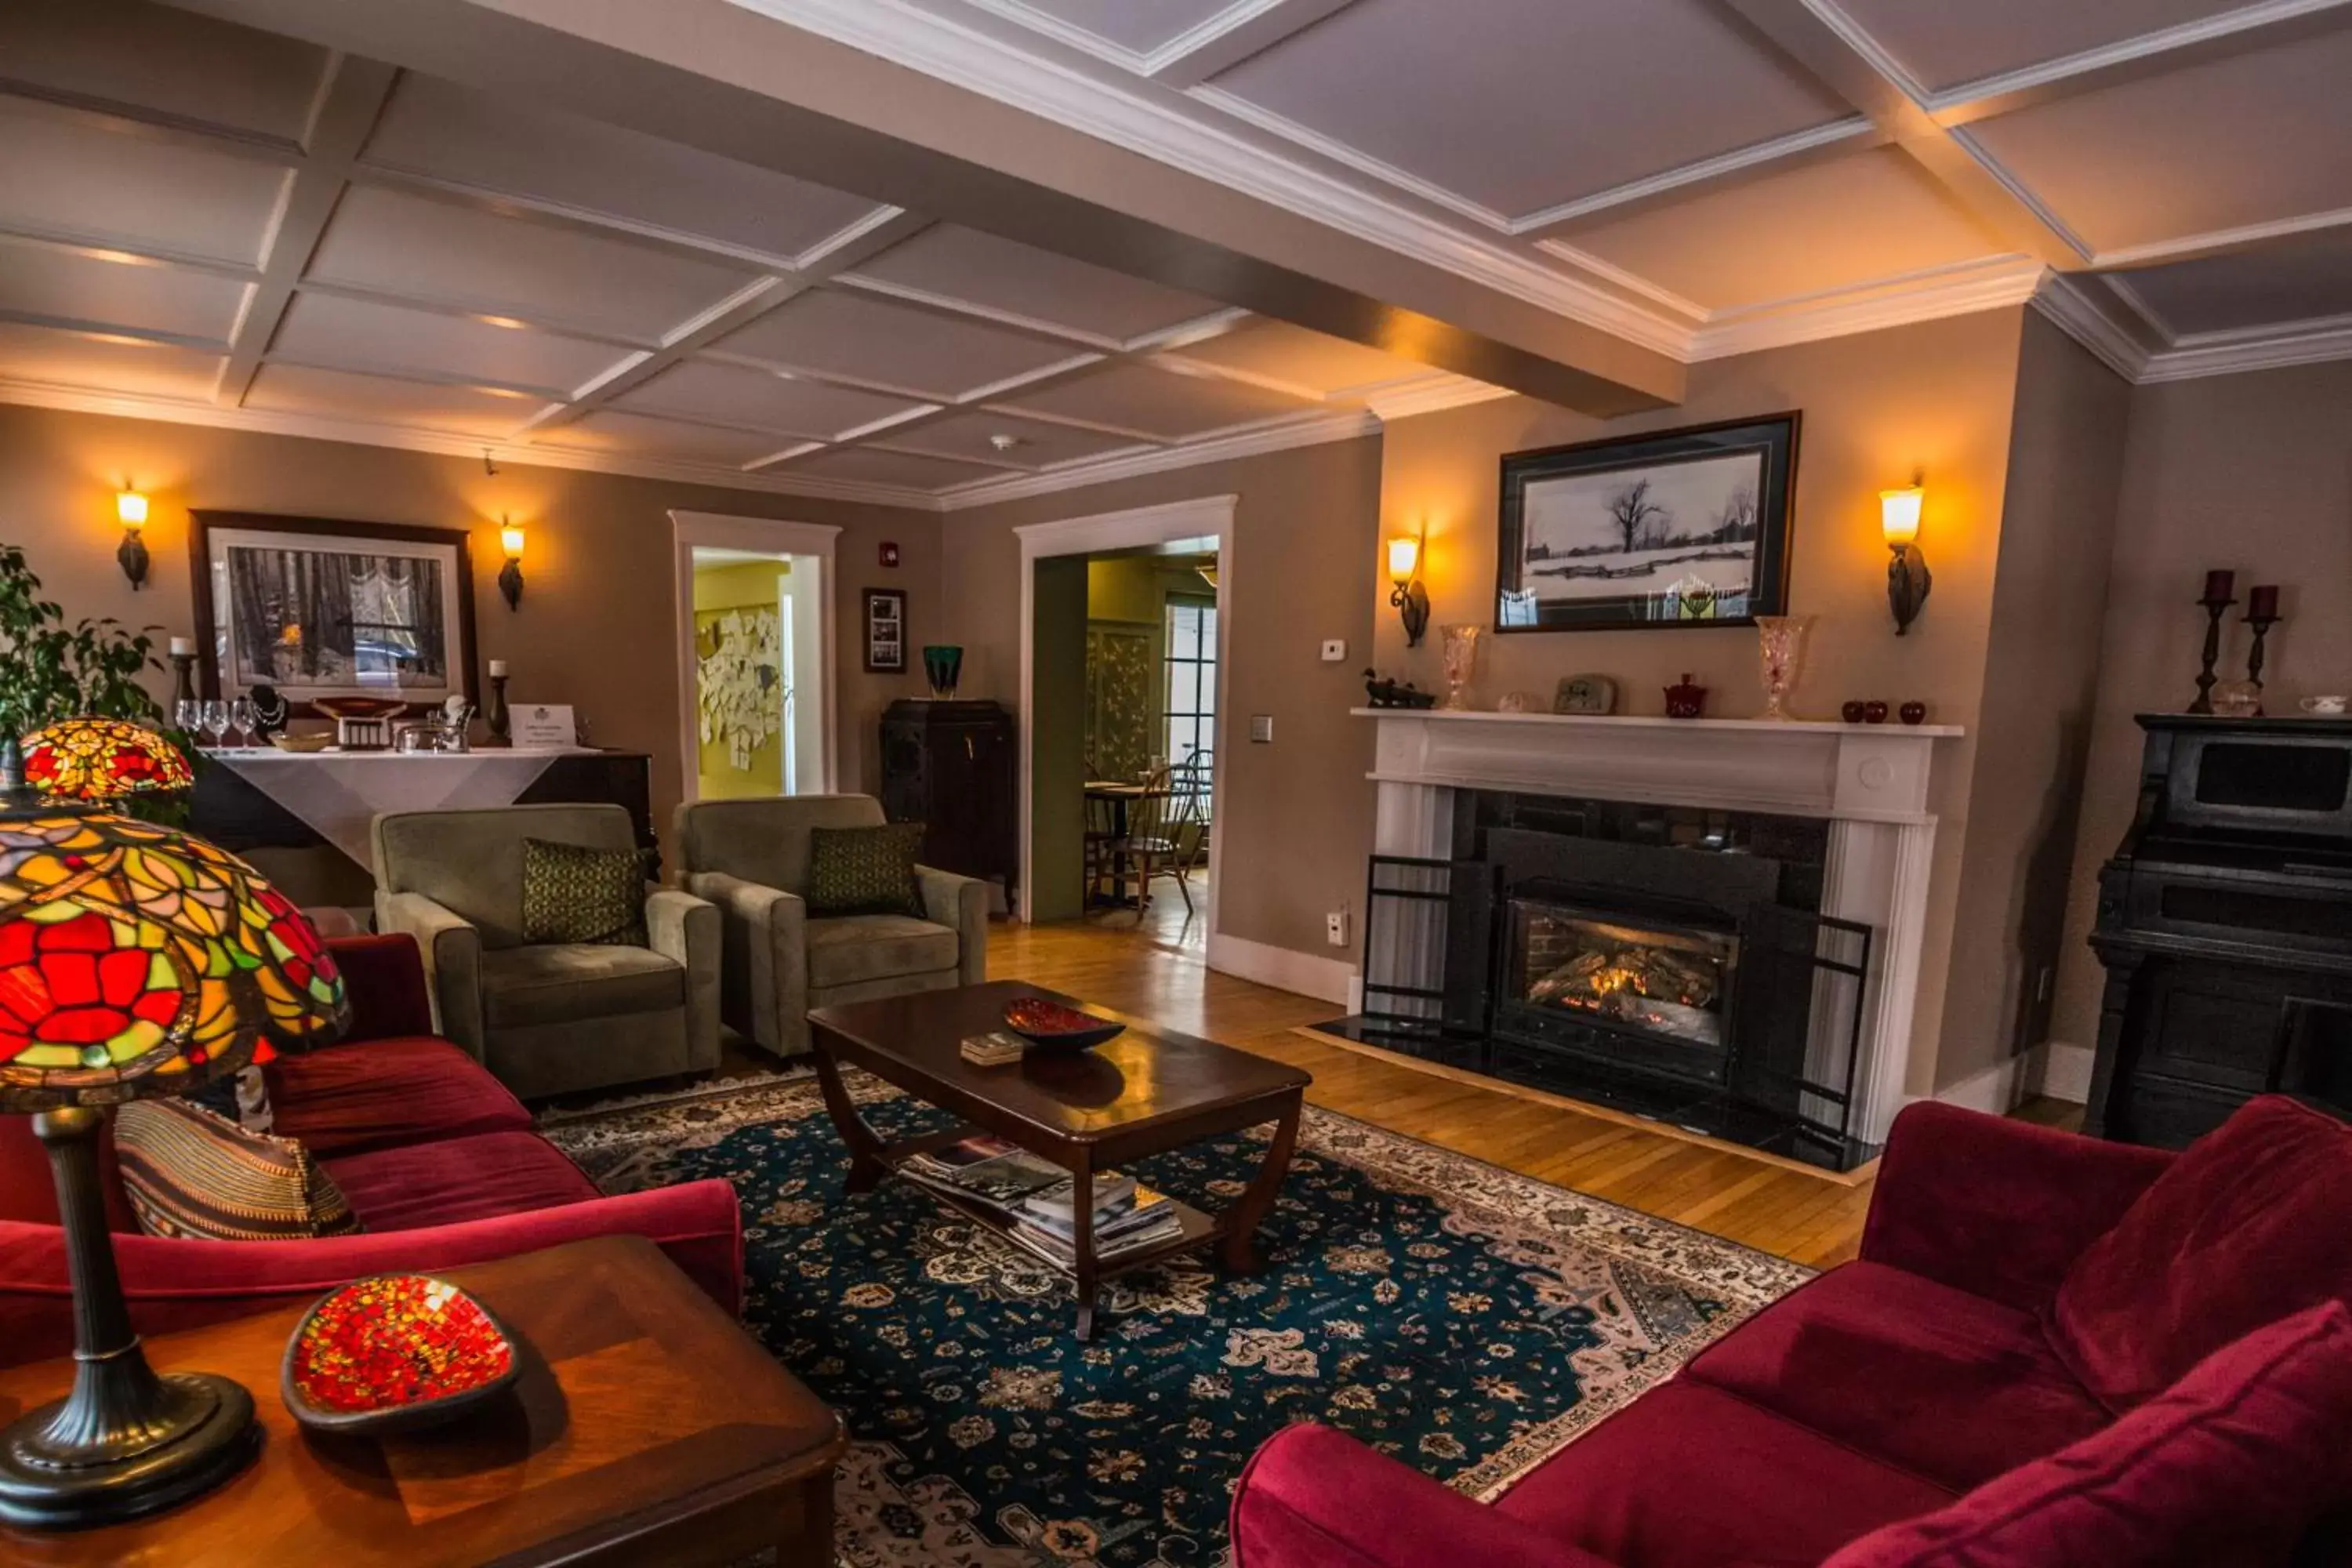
(2232, 33)
(113, 332)
(122, 252)
(2225, 241)
(122, 118)
(1780, 155)
(1829, 46)
(869, 238)
(1232, 36)
(352, 96)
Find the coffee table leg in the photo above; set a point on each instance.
(1082, 1243)
(866, 1167)
(1238, 1251)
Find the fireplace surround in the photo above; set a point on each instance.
(1714, 923)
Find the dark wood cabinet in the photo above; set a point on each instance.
(951, 766)
(2225, 924)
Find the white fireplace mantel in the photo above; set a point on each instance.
(1877, 773)
(1873, 783)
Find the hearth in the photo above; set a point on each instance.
(1669, 960)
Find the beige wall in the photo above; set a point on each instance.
(1933, 397)
(1298, 813)
(2248, 472)
(597, 624)
(2040, 680)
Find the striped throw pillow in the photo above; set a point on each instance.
(193, 1174)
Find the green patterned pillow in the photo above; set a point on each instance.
(574, 894)
(865, 870)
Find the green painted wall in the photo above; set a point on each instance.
(748, 584)
(1057, 756)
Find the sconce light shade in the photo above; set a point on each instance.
(131, 511)
(511, 575)
(1898, 512)
(1411, 599)
(1908, 581)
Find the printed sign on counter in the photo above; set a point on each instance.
(545, 724)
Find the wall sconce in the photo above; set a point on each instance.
(1907, 577)
(1409, 598)
(130, 508)
(511, 575)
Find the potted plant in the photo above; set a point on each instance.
(50, 671)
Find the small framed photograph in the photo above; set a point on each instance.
(885, 631)
(1678, 529)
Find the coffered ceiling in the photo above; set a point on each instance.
(201, 219)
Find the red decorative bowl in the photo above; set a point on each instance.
(394, 1354)
(1051, 1027)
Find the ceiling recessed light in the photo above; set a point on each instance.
(1005, 442)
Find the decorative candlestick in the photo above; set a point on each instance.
(2214, 606)
(184, 662)
(496, 713)
(2262, 614)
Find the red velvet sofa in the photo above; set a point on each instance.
(2051, 1351)
(437, 1159)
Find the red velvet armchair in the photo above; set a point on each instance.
(435, 1155)
(2053, 1352)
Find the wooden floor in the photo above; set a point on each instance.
(1155, 968)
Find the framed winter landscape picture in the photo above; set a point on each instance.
(1681, 528)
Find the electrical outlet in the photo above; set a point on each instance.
(1261, 728)
(1335, 650)
(1335, 928)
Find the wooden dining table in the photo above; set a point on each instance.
(1121, 797)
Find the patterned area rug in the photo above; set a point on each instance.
(1468, 1320)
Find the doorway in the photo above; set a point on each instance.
(756, 666)
(1123, 677)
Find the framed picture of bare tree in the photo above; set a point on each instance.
(1681, 528)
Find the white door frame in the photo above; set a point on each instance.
(769, 536)
(1207, 519)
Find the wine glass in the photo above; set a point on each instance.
(215, 721)
(188, 717)
(242, 717)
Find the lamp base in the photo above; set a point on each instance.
(64, 1469)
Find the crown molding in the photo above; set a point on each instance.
(2260, 347)
(1868, 308)
(363, 432)
(2117, 341)
(1315, 430)
(1431, 394)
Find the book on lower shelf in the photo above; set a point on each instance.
(1162, 1225)
(1000, 1179)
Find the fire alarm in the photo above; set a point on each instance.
(889, 553)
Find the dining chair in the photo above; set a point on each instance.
(1157, 828)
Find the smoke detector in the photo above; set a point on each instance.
(1005, 442)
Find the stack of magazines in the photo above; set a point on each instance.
(1127, 1217)
(1037, 1199)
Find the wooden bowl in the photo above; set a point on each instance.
(393, 1352)
(301, 745)
(1050, 1027)
(359, 707)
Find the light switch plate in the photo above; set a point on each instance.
(1335, 649)
(1261, 728)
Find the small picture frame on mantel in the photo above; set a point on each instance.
(885, 631)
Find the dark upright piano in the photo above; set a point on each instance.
(2225, 924)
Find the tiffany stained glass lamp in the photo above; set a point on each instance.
(135, 961)
(102, 759)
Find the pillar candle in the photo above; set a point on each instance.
(2261, 603)
(2218, 585)
(497, 666)
(183, 648)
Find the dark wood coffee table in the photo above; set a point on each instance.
(647, 1426)
(1146, 1093)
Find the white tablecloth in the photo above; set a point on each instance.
(340, 793)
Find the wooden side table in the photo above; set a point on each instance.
(646, 1427)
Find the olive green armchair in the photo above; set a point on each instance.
(546, 1019)
(751, 857)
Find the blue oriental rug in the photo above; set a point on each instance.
(1466, 1320)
